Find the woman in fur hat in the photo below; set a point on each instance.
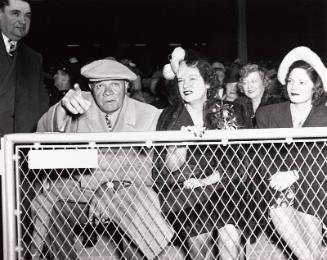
(195, 190)
(297, 183)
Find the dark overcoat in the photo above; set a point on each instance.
(199, 210)
(23, 96)
(308, 158)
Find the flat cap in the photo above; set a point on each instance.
(107, 69)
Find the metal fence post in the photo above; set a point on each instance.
(8, 200)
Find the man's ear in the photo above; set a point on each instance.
(126, 85)
(2, 12)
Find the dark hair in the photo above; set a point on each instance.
(232, 75)
(198, 60)
(71, 67)
(318, 90)
(4, 3)
(249, 68)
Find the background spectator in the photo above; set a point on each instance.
(231, 90)
(67, 73)
(254, 84)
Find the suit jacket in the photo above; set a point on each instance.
(279, 116)
(306, 157)
(249, 120)
(23, 96)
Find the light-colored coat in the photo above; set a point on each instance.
(141, 218)
(134, 116)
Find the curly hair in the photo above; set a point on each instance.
(318, 89)
(196, 59)
(249, 68)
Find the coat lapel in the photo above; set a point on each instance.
(284, 116)
(6, 66)
(126, 120)
(317, 117)
(95, 118)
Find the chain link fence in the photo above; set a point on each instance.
(165, 195)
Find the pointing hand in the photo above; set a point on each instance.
(74, 101)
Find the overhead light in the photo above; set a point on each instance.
(174, 44)
(72, 45)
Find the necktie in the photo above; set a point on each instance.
(12, 47)
(108, 122)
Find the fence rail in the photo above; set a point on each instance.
(153, 195)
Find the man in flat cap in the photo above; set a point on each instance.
(110, 193)
(106, 108)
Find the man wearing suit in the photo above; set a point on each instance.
(23, 97)
(120, 189)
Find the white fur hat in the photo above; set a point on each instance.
(304, 54)
(169, 70)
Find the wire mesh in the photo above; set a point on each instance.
(199, 199)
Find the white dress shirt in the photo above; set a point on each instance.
(6, 41)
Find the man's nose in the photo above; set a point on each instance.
(22, 19)
(108, 90)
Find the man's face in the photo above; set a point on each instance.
(15, 19)
(109, 94)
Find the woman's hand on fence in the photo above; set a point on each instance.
(193, 183)
(283, 179)
(209, 180)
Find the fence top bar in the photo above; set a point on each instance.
(164, 136)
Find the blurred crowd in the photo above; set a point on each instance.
(151, 87)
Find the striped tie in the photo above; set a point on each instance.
(12, 47)
(108, 122)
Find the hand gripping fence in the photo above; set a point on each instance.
(236, 194)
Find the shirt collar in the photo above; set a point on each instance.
(124, 116)
(113, 116)
(6, 41)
